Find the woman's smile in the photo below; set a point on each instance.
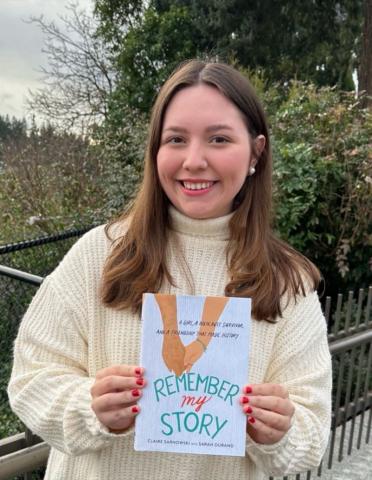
(196, 187)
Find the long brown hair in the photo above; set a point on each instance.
(260, 265)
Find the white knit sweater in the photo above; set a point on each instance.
(67, 335)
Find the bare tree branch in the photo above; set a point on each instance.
(79, 75)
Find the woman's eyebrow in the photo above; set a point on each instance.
(175, 129)
(219, 126)
(210, 128)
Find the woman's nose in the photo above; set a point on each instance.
(195, 159)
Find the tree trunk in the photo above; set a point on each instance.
(365, 67)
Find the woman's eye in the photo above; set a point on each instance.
(175, 140)
(219, 140)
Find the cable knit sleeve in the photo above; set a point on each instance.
(50, 386)
(300, 361)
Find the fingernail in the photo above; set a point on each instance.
(247, 409)
(244, 399)
(251, 420)
(138, 371)
(136, 393)
(139, 381)
(248, 389)
(135, 409)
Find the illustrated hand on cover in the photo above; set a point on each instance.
(173, 353)
(193, 352)
(176, 356)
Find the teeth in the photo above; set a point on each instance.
(197, 186)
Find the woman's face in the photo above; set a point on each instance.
(205, 152)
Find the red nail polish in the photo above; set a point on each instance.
(138, 371)
(248, 389)
(244, 399)
(136, 393)
(135, 409)
(248, 409)
(139, 381)
(251, 420)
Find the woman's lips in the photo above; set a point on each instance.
(198, 187)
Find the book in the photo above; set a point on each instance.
(195, 352)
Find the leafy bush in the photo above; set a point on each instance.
(50, 181)
(120, 143)
(322, 165)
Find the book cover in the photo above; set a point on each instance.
(195, 354)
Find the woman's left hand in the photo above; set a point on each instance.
(269, 412)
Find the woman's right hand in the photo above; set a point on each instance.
(115, 394)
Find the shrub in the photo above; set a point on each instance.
(322, 164)
(50, 181)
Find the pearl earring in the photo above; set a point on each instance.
(252, 171)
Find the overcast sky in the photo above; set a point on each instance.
(20, 48)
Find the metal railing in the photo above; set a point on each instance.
(40, 255)
(22, 454)
(13, 247)
(350, 340)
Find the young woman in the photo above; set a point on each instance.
(200, 225)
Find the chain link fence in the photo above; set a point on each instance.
(39, 256)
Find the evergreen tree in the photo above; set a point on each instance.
(317, 41)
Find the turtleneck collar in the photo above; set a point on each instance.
(214, 228)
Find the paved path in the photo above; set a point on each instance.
(357, 466)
